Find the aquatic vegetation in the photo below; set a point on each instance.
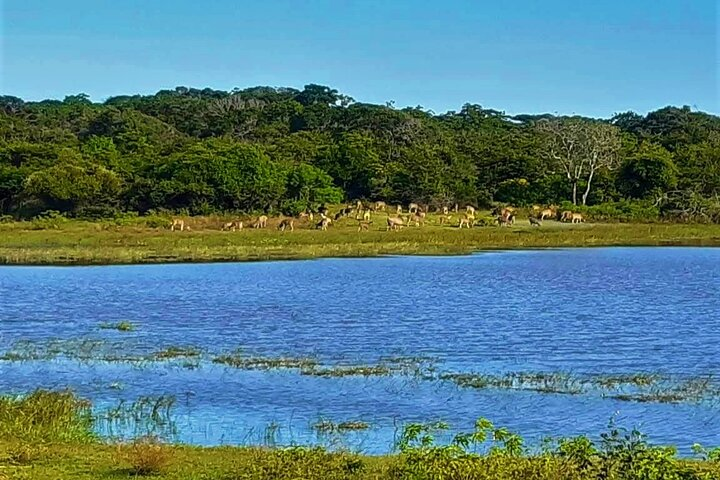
(146, 416)
(328, 426)
(348, 371)
(644, 387)
(241, 361)
(123, 326)
(176, 352)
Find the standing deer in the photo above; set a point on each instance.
(261, 221)
(286, 223)
(177, 223)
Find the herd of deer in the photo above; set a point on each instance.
(416, 215)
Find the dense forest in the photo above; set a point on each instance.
(286, 150)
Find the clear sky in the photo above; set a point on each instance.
(567, 56)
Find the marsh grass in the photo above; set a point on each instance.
(328, 426)
(44, 416)
(242, 361)
(174, 351)
(76, 242)
(123, 326)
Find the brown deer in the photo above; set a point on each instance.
(364, 226)
(286, 223)
(395, 223)
(261, 221)
(177, 223)
(548, 213)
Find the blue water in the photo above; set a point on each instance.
(609, 310)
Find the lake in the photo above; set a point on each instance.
(576, 312)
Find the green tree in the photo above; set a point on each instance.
(651, 172)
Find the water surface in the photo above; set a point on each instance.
(584, 311)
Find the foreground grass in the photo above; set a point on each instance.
(46, 435)
(85, 243)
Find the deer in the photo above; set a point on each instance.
(286, 223)
(324, 223)
(261, 221)
(364, 226)
(177, 223)
(394, 223)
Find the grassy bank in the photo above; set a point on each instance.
(85, 243)
(48, 435)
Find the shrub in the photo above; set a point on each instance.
(145, 455)
(48, 220)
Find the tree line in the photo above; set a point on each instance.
(286, 150)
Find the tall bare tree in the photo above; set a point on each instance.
(579, 148)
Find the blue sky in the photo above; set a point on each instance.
(523, 56)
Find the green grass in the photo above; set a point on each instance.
(48, 435)
(85, 243)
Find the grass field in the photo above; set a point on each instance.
(72, 242)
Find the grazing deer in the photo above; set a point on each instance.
(566, 216)
(547, 213)
(380, 206)
(445, 210)
(413, 208)
(536, 209)
(576, 218)
(286, 223)
(261, 221)
(395, 223)
(234, 225)
(470, 209)
(324, 223)
(398, 209)
(534, 221)
(177, 223)
(418, 220)
(364, 226)
(366, 215)
(445, 219)
(506, 220)
(465, 221)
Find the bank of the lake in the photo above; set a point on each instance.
(87, 243)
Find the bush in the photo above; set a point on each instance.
(48, 220)
(145, 455)
(301, 463)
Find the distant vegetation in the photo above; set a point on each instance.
(284, 150)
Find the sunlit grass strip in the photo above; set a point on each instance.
(83, 243)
